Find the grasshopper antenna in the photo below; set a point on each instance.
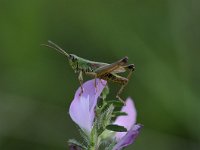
(56, 47)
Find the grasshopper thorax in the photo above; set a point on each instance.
(80, 64)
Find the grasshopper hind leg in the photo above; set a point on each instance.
(131, 68)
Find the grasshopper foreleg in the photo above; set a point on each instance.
(80, 78)
(93, 74)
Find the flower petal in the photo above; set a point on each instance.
(82, 107)
(126, 121)
(129, 138)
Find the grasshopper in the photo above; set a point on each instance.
(105, 71)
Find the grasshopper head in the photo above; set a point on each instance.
(73, 60)
(72, 57)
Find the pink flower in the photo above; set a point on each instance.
(126, 138)
(83, 106)
(82, 112)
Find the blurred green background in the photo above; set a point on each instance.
(37, 84)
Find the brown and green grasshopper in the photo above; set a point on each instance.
(105, 71)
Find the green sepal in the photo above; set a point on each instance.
(86, 138)
(107, 144)
(116, 128)
(105, 92)
(93, 136)
(111, 145)
(104, 119)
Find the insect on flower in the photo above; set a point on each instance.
(108, 72)
(82, 112)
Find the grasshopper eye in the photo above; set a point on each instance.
(72, 57)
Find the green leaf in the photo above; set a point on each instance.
(116, 128)
(116, 103)
(119, 113)
(75, 143)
